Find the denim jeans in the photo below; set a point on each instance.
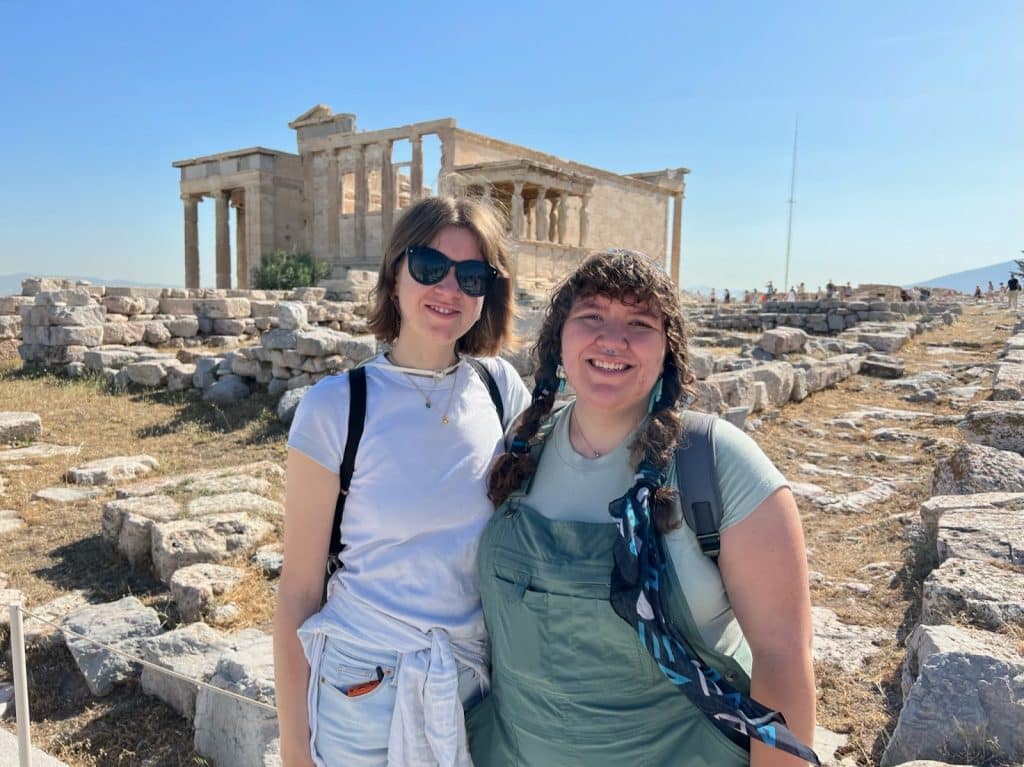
(353, 731)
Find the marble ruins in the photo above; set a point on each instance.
(339, 197)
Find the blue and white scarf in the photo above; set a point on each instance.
(639, 599)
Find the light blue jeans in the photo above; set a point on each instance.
(353, 732)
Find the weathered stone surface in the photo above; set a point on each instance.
(180, 377)
(964, 697)
(66, 494)
(231, 484)
(88, 335)
(736, 388)
(1008, 381)
(20, 426)
(194, 587)
(98, 359)
(978, 469)
(883, 342)
(126, 333)
(291, 315)
(209, 539)
(238, 501)
(107, 471)
(157, 508)
(783, 341)
(996, 424)
(157, 333)
(269, 559)
(9, 752)
(124, 304)
(120, 624)
(845, 645)
(229, 732)
(882, 368)
(206, 371)
(987, 596)
(147, 373)
(289, 403)
(75, 315)
(982, 526)
(223, 308)
(778, 380)
(228, 391)
(192, 650)
(260, 469)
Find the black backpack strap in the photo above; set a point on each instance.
(356, 419)
(491, 384)
(697, 480)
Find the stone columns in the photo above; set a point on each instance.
(241, 248)
(553, 223)
(387, 194)
(362, 204)
(584, 220)
(677, 237)
(223, 239)
(191, 240)
(517, 210)
(447, 161)
(540, 218)
(333, 207)
(416, 172)
(563, 210)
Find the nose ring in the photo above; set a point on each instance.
(609, 352)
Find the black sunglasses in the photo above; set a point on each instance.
(428, 267)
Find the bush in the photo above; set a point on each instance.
(282, 271)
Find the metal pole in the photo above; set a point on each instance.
(792, 188)
(20, 686)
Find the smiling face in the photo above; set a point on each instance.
(613, 353)
(434, 317)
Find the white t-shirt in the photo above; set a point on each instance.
(418, 499)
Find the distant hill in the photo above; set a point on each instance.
(10, 284)
(965, 281)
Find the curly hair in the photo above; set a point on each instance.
(629, 277)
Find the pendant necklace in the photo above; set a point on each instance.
(426, 398)
(586, 442)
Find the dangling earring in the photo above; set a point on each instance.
(560, 375)
(655, 397)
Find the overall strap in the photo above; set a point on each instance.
(697, 480)
(356, 420)
(490, 383)
(537, 448)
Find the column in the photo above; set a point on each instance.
(223, 239)
(333, 208)
(416, 172)
(517, 210)
(541, 215)
(387, 194)
(447, 161)
(362, 204)
(553, 222)
(241, 249)
(563, 215)
(677, 236)
(191, 240)
(584, 221)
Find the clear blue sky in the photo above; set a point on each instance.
(911, 118)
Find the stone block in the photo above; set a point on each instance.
(88, 335)
(107, 471)
(124, 333)
(192, 651)
(845, 645)
(216, 538)
(127, 305)
(736, 388)
(975, 468)
(292, 315)
(206, 371)
(701, 364)
(122, 625)
(980, 593)
(66, 296)
(157, 333)
(262, 309)
(223, 308)
(231, 327)
(180, 377)
(289, 403)
(195, 586)
(151, 373)
(227, 391)
(1008, 381)
(98, 359)
(280, 339)
(996, 424)
(75, 315)
(10, 327)
(240, 501)
(18, 426)
(785, 340)
(978, 526)
(882, 368)
(177, 305)
(884, 342)
(778, 379)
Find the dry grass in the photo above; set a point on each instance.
(60, 548)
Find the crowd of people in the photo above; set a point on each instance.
(1007, 293)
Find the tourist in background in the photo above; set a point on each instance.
(977, 294)
(573, 682)
(379, 674)
(1013, 291)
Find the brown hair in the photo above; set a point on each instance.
(630, 277)
(420, 224)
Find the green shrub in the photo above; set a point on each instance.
(282, 271)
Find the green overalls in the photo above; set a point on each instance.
(571, 684)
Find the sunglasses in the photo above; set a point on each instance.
(428, 267)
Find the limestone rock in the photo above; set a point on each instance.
(210, 539)
(878, 367)
(122, 625)
(158, 508)
(229, 390)
(180, 377)
(845, 645)
(289, 403)
(185, 482)
(192, 650)
(43, 635)
(19, 426)
(981, 526)
(269, 560)
(194, 587)
(107, 471)
(964, 698)
(229, 732)
(783, 340)
(778, 379)
(231, 484)
(987, 596)
(996, 424)
(147, 373)
(1008, 381)
(291, 315)
(243, 501)
(978, 469)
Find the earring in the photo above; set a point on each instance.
(655, 397)
(560, 375)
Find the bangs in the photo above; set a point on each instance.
(628, 277)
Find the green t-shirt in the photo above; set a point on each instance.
(570, 487)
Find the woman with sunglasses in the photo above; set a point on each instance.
(615, 639)
(379, 674)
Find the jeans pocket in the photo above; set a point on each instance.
(352, 677)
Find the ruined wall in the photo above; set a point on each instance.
(623, 216)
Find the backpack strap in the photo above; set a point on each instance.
(490, 383)
(697, 480)
(356, 420)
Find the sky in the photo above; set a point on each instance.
(911, 118)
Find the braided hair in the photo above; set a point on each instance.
(629, 277)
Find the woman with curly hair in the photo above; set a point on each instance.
(596, 628)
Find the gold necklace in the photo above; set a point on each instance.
(579, 430)
(426, 399)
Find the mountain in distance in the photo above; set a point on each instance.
(10, 284)
(965, 282)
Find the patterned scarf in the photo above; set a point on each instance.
(638, 598)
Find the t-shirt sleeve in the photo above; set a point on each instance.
(320, 426)
(746, 476)
(515, 397)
